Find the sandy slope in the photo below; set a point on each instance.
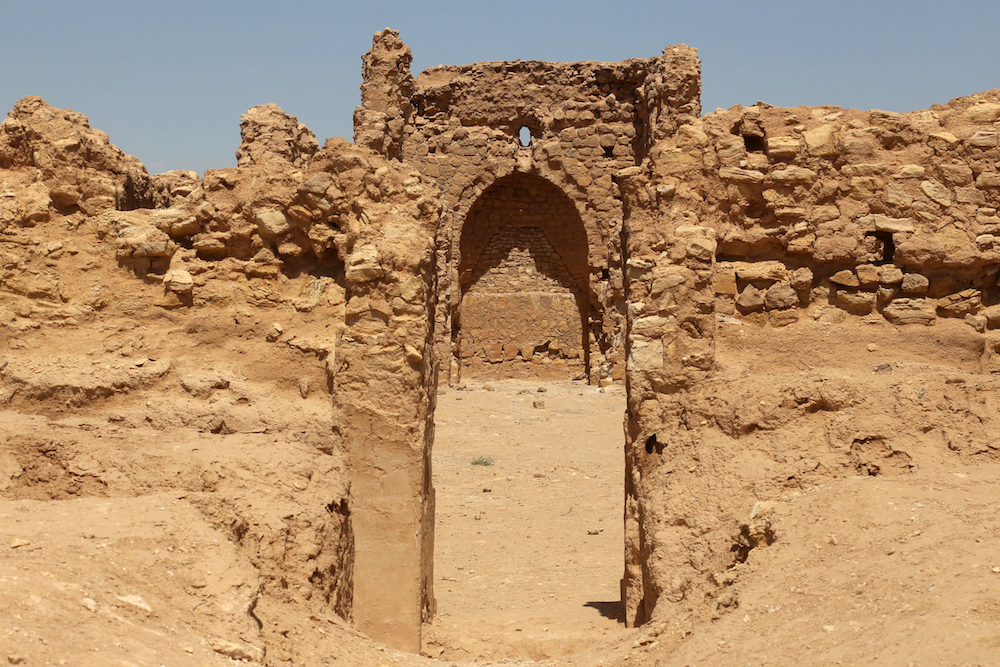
(129, 541)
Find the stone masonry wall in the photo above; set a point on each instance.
(334, 249)
(770, 216)
(522, 301)
(586, 121)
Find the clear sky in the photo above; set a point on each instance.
(168, 80)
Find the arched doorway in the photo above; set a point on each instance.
(523, 310)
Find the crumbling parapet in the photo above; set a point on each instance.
(670, 93)
(271, 136)
(387, 86)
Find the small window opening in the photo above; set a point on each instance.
(888, 246)
(605, 274)
(653, 446)
(524, 134)
(754, 144)
(609, 152)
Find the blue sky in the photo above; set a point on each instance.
(169, 80)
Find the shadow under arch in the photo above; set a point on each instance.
(523, 308)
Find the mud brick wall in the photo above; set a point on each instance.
(462, 124)
(521, 300)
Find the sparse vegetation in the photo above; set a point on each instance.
(482, 461)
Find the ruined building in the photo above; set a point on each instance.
(529, 247)
(596, 225)
(503, 219)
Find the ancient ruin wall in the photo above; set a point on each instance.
(524, 302)
(312, 267)
(769, 216)
(585, 121)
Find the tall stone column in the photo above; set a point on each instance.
(670, 346)
(385, 385)
(385, 110)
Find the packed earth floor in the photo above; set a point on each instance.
(528, 545)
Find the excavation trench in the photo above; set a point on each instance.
(528, 542)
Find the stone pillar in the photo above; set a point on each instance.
(386, 90)
(670, 346)
(385, 391)
(670, 94)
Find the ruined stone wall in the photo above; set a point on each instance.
(291, 296)
(585, 120)
(768, 216)
(523, 305)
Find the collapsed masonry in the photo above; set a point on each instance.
(292, 295)
(529, 246)
(500, 219)
(596, 193)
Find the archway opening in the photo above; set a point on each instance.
(523, 274)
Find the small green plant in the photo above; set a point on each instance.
(482, 461)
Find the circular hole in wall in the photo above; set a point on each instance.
(524, 134)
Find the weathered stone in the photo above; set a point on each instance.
(961, 303)
(896, 195)
(890, 275)
(750, 299)
(867, 274)
(977, 322)
(689, 135)
(915, 283)
(821, 142)
(646, 356)
(701, 249)
(911, 311)
(883, 223)
(724, 282)
(794, 174)
(272, 137)
(956, 174)
(936, 192)
(317, 184)
(801, 279)
(363, 264)
(782, 147)
(856, 302)
(780, 296)
(845, 278)
(969, 196)
(992, 315)
(984, 139)
(988, 180)
(770, 271)
(741, 175)
(983, 112)
(782, 318)
(942, 141)
(178, 280)
(271, 222)
(822, 214)
(911, 171)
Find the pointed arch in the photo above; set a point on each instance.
(523, 308)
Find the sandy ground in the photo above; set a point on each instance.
(117, 546)
(528, 553)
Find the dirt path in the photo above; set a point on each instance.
(528, 553)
